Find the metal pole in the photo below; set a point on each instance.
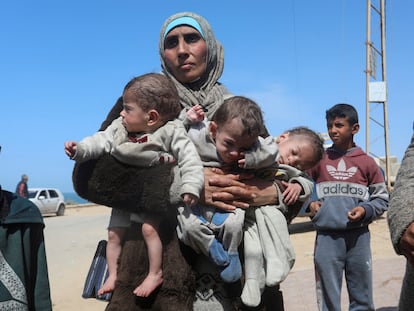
(384, 78)
(367, 74)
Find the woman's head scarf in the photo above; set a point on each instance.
(206, 91)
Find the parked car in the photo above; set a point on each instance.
(48, 200)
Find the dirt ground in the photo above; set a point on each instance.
(66, 290)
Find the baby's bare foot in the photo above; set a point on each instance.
(108, 286)
(151, 282)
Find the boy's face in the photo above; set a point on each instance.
(342, 133)
(133, 117)
(230, 141)
(296, 151)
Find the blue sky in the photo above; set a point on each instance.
(64, 63)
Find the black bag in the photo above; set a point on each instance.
(97, 275)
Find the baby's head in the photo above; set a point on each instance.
(300, 147)
(149, 100)
(235, 127)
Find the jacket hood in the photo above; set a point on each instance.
(352, 152)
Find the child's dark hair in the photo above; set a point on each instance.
(156, 91)
(343, 111)
(314, 139)
(244, 109)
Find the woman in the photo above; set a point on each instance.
(193, 58)
(195, 69)
(401, 223)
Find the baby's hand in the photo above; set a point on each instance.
(291, 193)
(195, 114)
(70, 148)
(190, 199)
(356, 213)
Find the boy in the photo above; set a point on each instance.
(145, 134)
(351, 194)
(232, 140)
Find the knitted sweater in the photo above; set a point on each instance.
(401, 210)
(400, 216)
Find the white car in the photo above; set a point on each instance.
(48, 200)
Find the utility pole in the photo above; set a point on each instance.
(376, 82)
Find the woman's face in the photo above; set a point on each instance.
(185, 53)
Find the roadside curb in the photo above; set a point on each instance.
(81, 205)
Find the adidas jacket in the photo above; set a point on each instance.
(344, 181)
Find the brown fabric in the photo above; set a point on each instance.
(109, 182)
(178, 290)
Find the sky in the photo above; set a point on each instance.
(63, 64)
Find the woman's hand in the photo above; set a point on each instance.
(227, 191)
(407, 244)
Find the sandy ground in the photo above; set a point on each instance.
(67, 278)
(71, 242)
(303, 235)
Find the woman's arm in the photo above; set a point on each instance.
(227, 191)
(401, 207)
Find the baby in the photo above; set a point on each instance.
(143, 135)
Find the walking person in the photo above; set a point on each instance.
(22, 188)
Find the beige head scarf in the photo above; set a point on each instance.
(206, 91)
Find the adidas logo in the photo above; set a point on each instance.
(341, 172)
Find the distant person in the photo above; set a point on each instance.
(401, 223)
(22, 188)
(231, 141)
(351, 194)
(24, 280)
(147, 133)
